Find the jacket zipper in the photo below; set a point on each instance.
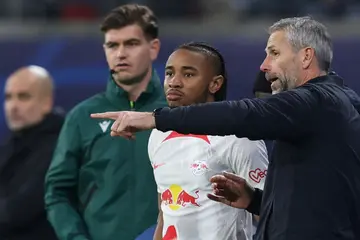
(132, 108)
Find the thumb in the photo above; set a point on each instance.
(233, 177)
(217, 198)
(106, 115)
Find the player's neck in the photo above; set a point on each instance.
(210, 98)
(135, 90)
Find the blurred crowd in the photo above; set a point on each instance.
(93, 9)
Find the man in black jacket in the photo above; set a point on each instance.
(312, 189)
(25, 157)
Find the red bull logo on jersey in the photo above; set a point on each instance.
(175, 197)
(199, 167)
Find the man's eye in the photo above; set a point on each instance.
(274, 53)
(168, 74)
(24, 96)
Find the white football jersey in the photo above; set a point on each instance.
(183, 165)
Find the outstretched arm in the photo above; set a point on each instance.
(281, 116)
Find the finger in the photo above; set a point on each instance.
(229, 186)
(124, 124)
(106, 115)
(218, 199)
(115, 125)
(217, 186)
(219, 192)
(126, 135)
(218, 179)
(233, 177)
(115, 134)
(222, 182)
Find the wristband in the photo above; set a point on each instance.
(255, 204)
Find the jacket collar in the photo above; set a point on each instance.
(51, 124)
(331, 77)
(120, 98)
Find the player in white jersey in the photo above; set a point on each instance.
(183, 164)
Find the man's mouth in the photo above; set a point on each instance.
(122, 65)
(173, 95)
(273, 79)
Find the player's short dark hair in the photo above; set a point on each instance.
(218, 62)
(129, 14)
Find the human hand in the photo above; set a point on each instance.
(231, 190)
(127, 123)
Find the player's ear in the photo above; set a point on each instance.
(216, 84)
(154, 48)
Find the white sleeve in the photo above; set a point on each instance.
(151, 147)
(249, 159)
(151, 150)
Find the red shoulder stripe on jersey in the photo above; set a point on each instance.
(174, 134)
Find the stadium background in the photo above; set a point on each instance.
(63, 36)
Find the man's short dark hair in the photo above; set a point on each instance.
(130, 14)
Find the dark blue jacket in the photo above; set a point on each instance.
(312, 191)
(24, 160)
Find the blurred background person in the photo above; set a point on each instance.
(26, 155)
(98, 188)
(262, 87)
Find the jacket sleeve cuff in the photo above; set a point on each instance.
(161, 119)
(255, 204)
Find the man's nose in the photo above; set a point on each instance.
(121, 52)
(175, 81)
(11, 105)
(265, 66)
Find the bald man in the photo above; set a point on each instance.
(26, 155)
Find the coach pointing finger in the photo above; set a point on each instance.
(312, 190)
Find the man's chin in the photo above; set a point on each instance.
(277, 91)
(15, 127)
(174, 104)
(127, 78)
(125, 81)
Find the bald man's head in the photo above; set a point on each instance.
(28, 97)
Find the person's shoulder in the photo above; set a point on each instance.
(88, 106)
(231, 141)
(157, 136)
(247, 144)
(333, 93)
(308, 93)
(155, 140)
